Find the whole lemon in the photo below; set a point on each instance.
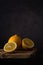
(15, 38)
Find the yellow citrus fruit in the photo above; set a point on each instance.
(27, 43)
(10, 47)
(15, 38)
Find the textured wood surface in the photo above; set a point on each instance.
(17, 54)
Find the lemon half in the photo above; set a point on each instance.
(27, 43)
(10, 47)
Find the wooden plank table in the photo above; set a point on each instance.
(17, 54)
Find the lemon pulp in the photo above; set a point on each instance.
(27, 43)
(10, 47)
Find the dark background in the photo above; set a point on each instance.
(24, 17)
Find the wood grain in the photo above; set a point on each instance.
(17, 54)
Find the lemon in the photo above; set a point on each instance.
(10, 47)
(27, 43)
(15, 38)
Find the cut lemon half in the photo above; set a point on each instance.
(15, 38)
(27, 43)
(10, 47)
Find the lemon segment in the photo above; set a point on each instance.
(27, 43)
(10, 47)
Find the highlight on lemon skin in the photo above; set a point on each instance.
(27, 43)
(15, 38)
(10, 47)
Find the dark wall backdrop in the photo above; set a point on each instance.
(23, 17)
